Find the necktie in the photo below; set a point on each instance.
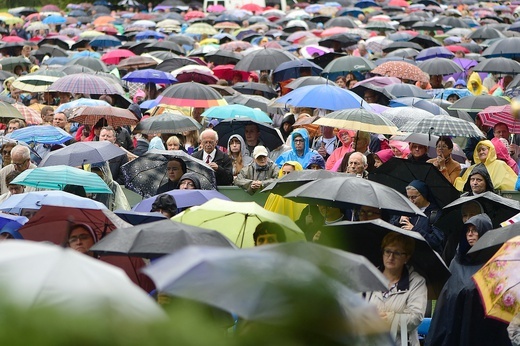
(208, 159)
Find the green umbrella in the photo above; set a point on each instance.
(9, 64)
(56, 177)
(237, 220)
(8, 111)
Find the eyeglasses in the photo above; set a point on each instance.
(442, 147)
(20, 165)
(413, 198)
(81, 237)
(388, 253)
(369, 213)
(472, 231)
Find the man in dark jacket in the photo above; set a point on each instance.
(215, 158)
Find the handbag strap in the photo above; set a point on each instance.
(400, 319)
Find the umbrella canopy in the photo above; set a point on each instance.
(11, 223)
(401, 70)
(167, 122)
(80, 153)
(348, 64)
(191, 94)
(45, 134)
(8, 111)
(105, 41)
(305, 81)
(500, 114)
(93, 63)
(149, 75)
(269, 135)
(56, 177)
(443, 125)
(476, 103)
(102, 287)
(426, 105)
(358, 119)
(406, 90)
(115, 56)
(183, 199)
(293, 68)
(253, 101)
(504, 47)
(156, 239)
(498, 66)
(497, 282)
(236, 111)
(146, 173)
(114, 116)
(80, 103)
(398, 174)
(439, 66)
(31, 116)
(9, 64)
(137, 62)
(434, 52)
(83, 83)
(355, 237)
(402, 115)
(34, 83)
(325, 96)
(353, 192)
(289, 182)
(264, 59)
(252, 88)
(237, 220)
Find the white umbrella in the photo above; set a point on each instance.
(37, 275)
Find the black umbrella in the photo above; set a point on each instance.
(264, 59)
(50, 50)
(253, 101)
(325, 59)
(485, 32)
(408, 53)
(401, 44)
(163, 55)
(454, 22)
(500, 66)
(344, 22)
(251, 88)
(425, 41)
(146, 173)
(91, 63)
(398, 173)
(311, 80)
(410, 20)
(291, 181)
(181, 39)
(270, 136)
(167, 123)
(168, 46)
(157, 239)
(427, 26)
(365, 237)
(80, 153)
(55, 42)
(223, 57)
(339, 40)
(175, 63)
(492, 240)
(439, 66)
(350, 192)
(506, 47)
(477, 103)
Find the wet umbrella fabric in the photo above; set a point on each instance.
(36, 199)
(168, 122)
(270, 136)
(84, 83)
(46, 134)
(183, 198)
(477, 103)
(236, 111)
(289, 182)
(191, 94)
(80, 153)
(443, 125)
(264, 59)
(358, 119)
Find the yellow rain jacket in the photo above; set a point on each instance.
(502, 176)
(480, 89)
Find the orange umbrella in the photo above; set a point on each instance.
(103, 20)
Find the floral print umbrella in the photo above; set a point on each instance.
(401, 70)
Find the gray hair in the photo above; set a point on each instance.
(408, 188)
(209, 131)
(21, 150)
(363, 157)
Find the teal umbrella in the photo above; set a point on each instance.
(237, 111)
(56, 177)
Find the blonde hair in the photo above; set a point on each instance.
(173, 140)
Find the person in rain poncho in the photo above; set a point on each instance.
(345, 137)
(475, 85)
(301, 152)
(116, 200)
(237, 151)
(502, 176)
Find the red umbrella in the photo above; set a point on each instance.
(252, 7)
(31, 116)
(456, 48)
(12, 39)
(115, 56)
(399, 3)
(226, 72)
(236, 45)
(143, 16)
(500, 114)
(114, 116)
(194, 15)
(334, 31)
(107, 29)
(401, 70)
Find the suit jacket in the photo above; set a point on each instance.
(224, 173)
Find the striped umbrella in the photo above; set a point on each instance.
(191, 94)
(34, 83)
(500, 114)
(83, 83)
(358, 119)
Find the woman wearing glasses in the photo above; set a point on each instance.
(403, 305)
(444, 162)
(81, 238)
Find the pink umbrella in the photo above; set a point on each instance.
(500, 114)
(379, 81)
(115, 56)
(194, 15)
(216, 8)
(12, 39)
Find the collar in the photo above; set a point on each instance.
(212, 155)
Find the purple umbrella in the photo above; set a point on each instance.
(183, 198)
(434, 52)
(466, 64)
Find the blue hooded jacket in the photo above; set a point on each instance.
(292, 156)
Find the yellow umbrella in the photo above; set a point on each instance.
(201, 29)
(498, 282)
(13, 20)
(209, 41)
(91, 33)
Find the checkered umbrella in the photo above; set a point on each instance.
(114, 116)
(83, 83)
(31, 116)
(402, 115)
(400, 69)
(500, 114)
(443, 125)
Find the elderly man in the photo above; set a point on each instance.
(215, 158)
(60, 120)
(20, 161)
(357, 164)
(361, 142)
(108, 134)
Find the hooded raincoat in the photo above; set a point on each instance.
(479, 169)
(502, 176)
(337, 154)
(475, 85)
(246, 159)
(291, 155)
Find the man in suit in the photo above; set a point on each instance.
(215, 158)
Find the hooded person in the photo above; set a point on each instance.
(316, 162)
(460, 84)
(259, 173)
(301, 151)
(115, 201)
(345, 137)
(459, 317)
(189, 181)
(503, 153)
(475, 85)
(502, 176)
(286, 125)
(239, 155)
(478, 182)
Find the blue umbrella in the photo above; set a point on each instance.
(87, 54)
(350, 11)
(35, 200)
(183, 198)
(325, 96)
(45, 134)
(366, 4)
(57, 60)
(150, 75)
(138, 218)
(419, 103)
(292, 69)
(236, 111)
(11, 223)
(449, 91)
(148, 104)
(434, 52)
(143, 35)
(81, 102)
(105, 41)
(54, 20)
(56, 177)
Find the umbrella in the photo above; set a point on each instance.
(236, 111)
(353, 192)
(79, 103)
(157, 239)
(398, 174)
(476, 103)
(269, 135)
(105, 41)
(434, 52)
(31, 116)
(237, 220)
(355, 237)
(497, 282)
(80, 153)
(195, 73)
(36, 199)
(172, 64)
(102, 287)
(8, 111)
(223, 57)
(443, 125)
(406, 90)
(337, 40)
(115, 56)
(504, 47)
(9, 64)
(146, 173)
(291, 181)
(325, 96)
(439, 66)
(191, 94)
(426, 105)
(167, 122)
(392, 47)
(253, 101)
(138, 218)
(402, 115)
(292, 69)
(83, 83)
(306, 81)
(499, 66)
(137, 62)
(264, 59)
(406, 53)
(500, 114)
(34, 83)
(93, 63)
(114, 116)
(347, 64)
(401, 70)
(183, 198)
(45, 134)
(251, 88)
(11, 223)
(56, 177)
(358, 119)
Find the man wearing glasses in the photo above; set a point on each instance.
(20, 161)
(301, 152)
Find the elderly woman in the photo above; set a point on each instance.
(502, 176)
(258, 174)
(237, 151)
(189, 181)
(404, 303)
(81, 237)
(444, 162)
